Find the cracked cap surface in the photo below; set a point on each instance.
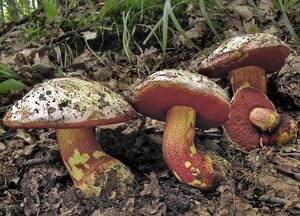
(260, 49)
(68, 103)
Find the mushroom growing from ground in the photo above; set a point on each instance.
(247, 59)
(184, 100)
(73, 107)
(240, 128)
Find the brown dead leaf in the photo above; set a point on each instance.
(198, 210)
(155, 209)
(153, 188)
(80, 61)
(2, 146)
(245, 12)
(107, 212)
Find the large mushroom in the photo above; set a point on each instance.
(247, 59)
(184, 100)
(73, 107)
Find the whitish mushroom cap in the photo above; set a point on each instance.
(168, 88)
(68, 103)
(260, 49)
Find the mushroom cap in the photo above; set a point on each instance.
(239, 129)
(260, 49)
(168, 88)
(68, 103)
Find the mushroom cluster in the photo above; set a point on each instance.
(73, 107)
(184, 100)
(247, 59)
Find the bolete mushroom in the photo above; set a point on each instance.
(73, 107)
(184, 100)
(244, 123)
(247, 59)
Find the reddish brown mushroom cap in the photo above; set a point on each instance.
(168, 88)
(260, 49)
(239, 129)
(68, 103)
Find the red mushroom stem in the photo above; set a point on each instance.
(248, 76)
(89, 167)
(188, 164)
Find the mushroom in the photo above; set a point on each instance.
(285, 133)
(241, 126)
(246, 59)
(73, 107)
(184, 100)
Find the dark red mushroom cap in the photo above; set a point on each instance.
(239, 129)
(260, 49)
(68, 103)
(168, 88)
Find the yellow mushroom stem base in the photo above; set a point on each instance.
(188, 164)
(264, 119)
(91, 170)
(248, 76)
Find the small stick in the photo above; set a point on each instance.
(38, 161)
(290, 154)
(276, 200)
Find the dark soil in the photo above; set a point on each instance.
(34, 180)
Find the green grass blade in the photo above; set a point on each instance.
(10, 85)
(153, 31)
(6, 72)
(126, 36)
(288, 24)
(207, 19)
(165, 29)
(180, 29)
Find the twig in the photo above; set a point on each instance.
(276, 200)
(65, 35)
(39, 161)
(290, 154)
(208, 134)
(8, 26)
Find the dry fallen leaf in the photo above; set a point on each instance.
(153, 188)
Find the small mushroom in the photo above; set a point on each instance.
(184, 100)
(242, 133)
(247, 59)
(73, 107)
(285, 132)
(244, 126)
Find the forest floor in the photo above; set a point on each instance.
(34, 180)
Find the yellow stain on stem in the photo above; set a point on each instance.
(98, 154)
(187, 164)
(74, 160)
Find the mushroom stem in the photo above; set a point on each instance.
(263, 118)
(189, 165)
(89, 167)
(248, 76)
